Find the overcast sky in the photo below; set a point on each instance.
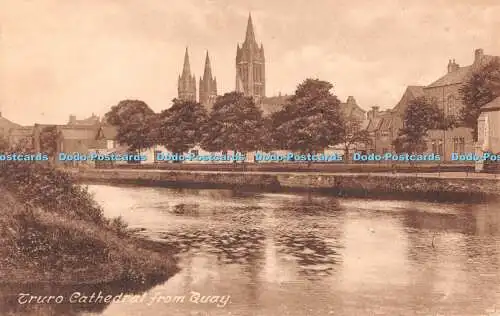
(62, 57)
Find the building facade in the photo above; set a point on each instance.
(445, 91)
(251, 66)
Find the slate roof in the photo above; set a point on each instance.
(351, 108)
(410, 93)
(7, 124)
(460, 75)
(492, 106)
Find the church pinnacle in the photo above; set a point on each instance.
(208, 86)
(186, 86)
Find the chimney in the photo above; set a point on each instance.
(72, 119)
(452, 66)
(478, 54)
(373, 113)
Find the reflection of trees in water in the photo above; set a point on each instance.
(304, 239)
(231, 246)
(310, 207)
(9, 295)
(313, 253)
(187, 209)
(213, 193)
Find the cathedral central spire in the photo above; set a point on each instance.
(250, 34)
(250, 66)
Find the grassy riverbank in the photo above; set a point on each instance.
(53, 231)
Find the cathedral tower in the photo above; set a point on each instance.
(208, 86)
(250, 66)
(186, 86)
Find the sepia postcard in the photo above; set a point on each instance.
(249, 157)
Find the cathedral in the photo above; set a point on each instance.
(250, 79)
(250, 75)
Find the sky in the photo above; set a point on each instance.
(60, 57)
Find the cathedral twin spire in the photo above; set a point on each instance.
(187, 83)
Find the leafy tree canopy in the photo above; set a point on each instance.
(311, 120)
(235, 123)
(352, 133)
(180, 127)
(133, 119)
(421, 115)
(482, 87)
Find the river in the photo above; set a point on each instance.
(287, 254)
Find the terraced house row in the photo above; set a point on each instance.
(384, 125)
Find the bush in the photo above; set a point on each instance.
(41, 185)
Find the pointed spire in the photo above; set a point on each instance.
(186, 69)
(250, 35)
(208, 69)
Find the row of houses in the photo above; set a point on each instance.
(384, 126)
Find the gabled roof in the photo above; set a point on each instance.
(492, 106)
(460, 75)
(351, 108)
(411, 92)
(455, 77)
(21, 131)
(7, 124)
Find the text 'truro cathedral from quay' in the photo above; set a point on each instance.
(250, 73)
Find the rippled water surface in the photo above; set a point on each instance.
(279, 254)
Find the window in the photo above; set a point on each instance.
(461, 144)
(194, 152)
(157, 153)
(440, 148)
(110, 144)
(450, 106)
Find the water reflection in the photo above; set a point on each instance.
(310, 255)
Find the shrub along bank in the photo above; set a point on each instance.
(53, 231)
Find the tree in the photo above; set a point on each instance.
(134, 121)
(235, 123)
(482, 87)
(421, 115)
(351, 134)
(4, 144)
(49, 136)
(180, 127)
(311, 120)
